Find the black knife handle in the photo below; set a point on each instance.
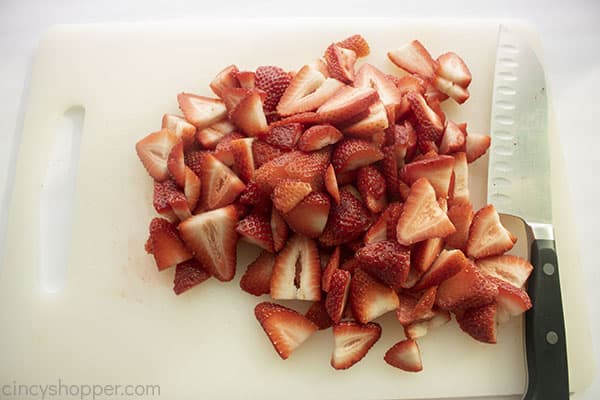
(545, 328)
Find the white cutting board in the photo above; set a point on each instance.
(117, 321)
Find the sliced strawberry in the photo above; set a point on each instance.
(223, 151)
(403, 138)
(477, 145)
(264, 152)
(318, 136)
(430, 125)
(212, 238)
(154, 150)
(457, 92)
(371, 125)
(461, 179)
(390, 171)
(460, 215)
(386, 260)
(404, 313)
(309, 217)
(466, 289)
(346, 178)
(346, 103)
(331, 183)
(233, 96)
(348, 220)
(253, 196)
(226, 78)
(182, 129)
(352, 341)
(424, 253)
(165, 244)
(195, 161)
(487, 235)
(512, 269)
(371, 185)
(389, 94)
(453, 140)
(307, 91)
(511, 300)
(422, 218)
(284, 137)
(414, 58)
(351, 265)
(256, 229)
(332, 266)
(340, 63)
(308, 118)
(418, 329)
(405, 355)
(209, 137)
(479, 323)
(273, 81)
(434, 95)
(247, 80)
(243, 158)
(279, 230)
(169, 201)
(357, 44)
(220, 185)
(370, 298)
(249, 115)
(445, 266)
(201, 111)
(337, 295)
(350, 154)
(450, 66)
(424, 305)
(188, 274)
(394, 211)
(318, 314)
(286, 328)
(288, 193)
(192, 188)
(297, 271)
(257, 278)
(378, 231)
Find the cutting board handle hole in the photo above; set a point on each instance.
(57, 200)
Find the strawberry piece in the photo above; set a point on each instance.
(346, 103)
(273, 81)
(309, 217)
(337, 294)
(249, 115)
(422, 218)
(404, 313)
(378, 231)
(331, 184)
(347, 220)
(477, 145)
(450, 66)
(403, 139)
(201, 111)
(256, 229)
(461, 179)
(340, 63)
(418, 329)
(223, 151)
(220, 185)
(371, 185)
(279, 230)
(511, 269)
(195, 161)
(243, 158)
(247, 80)
(169, 201)
(466, 289)
(165, 244)
(192, 188)
(288, 193)
(232, 97)
(307, 118)
(264, 152)
(453, 140)
(284, 137)
(352, 341)
(351, 265)
(414, 58)
(212, 238)
(257, 278)
(446, 265)
(357, 44)
(487, 235)
(318, 136)
(187, 275)
(369, 298)
(226, 78)
(350, 154)
(209, 137)
(461, 215)
(307, 91)
(430, 125)
(182, 129)
(479, 323)
(318, 314)
(371, 125)
(423, 254)
(390, 171)
(252, 195)
(511, 300)
(346, 178)
(438, 171)
(297, 271)
(447, 87)
(154, 150)
(286, 328)
(386, 260)
(332, 266)
(405, 355)
(389, 94)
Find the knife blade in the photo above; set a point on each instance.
(519, 185)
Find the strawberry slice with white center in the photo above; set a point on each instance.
(346, 103)
(350, 154)
(297, 271)
(220, 185)
(466, 289)
(192, 188)
(414, 58)
(256, 229)
(309, 217)
(378, 231)
(453, 68)
(223, 151)
(257, 278)
(375, 122)
(273, 81)
(212, 238)
(461, 215)
(247, 79)
(233, 96)
(430, 125)
(187, 275)
(479, 323)
(226, 78)
(371, 185)
(357, 44)
(165, 244)
(454, 139)
(352, 341)
(243, 158)
(335, 302)
(201, 111)
(449, 88)
(461, 179)
(318, 136)
(331, 184)
(389, 94)
(182, 129)
(445, 266)
(279, 230)
(333, 264)
(154, 150)
(249, 115)
(423, 254)
(286, 328)
(288, 193)
(176, 164)
(370, 298)
(307, 91)
(340, 63)
(418, 329)
(487, 235)
(318, 314)
(422, 217)
(512, 269)
(405, 355)
(511, 300)
(386, 260)
(209, 137)
(477, 145)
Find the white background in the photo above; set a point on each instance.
(570, 32)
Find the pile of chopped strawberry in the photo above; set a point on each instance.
(353, 183)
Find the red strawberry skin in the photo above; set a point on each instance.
(309, 217)
(347, 221)
(165, 245)
(273, 81)
(337, 295)
(371, 185)
(257, 278)
(284, 137)
(479, 323)
(350, 154)
(256, 229)
(370, 298)
(466, 289)
(187, 275)
(386, 260)
(318, 314)
(264, 152)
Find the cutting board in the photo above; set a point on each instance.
(117, 321)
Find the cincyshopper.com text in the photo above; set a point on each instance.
(62, 390)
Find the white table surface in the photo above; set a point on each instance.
(570, 35)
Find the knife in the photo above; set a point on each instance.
(519, 185)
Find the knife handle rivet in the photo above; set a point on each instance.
(552, 337)
(548, 269)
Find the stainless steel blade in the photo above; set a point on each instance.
(519, 165)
